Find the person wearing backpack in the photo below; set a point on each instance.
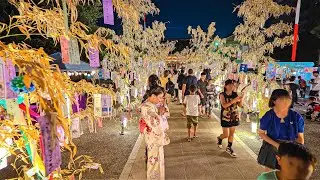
(303, 86)
(191, 79)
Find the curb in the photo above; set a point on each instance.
(251, 153)
(133, 155)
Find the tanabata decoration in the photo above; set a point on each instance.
(106, 105)
(97, 105)
(94, 57)
(52, 153)
(74, 51)
(75, 128)
(18, 85)
(108, 17)
(10, 73)
(64, 43)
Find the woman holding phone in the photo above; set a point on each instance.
(229, 118)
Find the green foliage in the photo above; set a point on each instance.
(89, 14)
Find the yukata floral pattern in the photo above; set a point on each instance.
(155, 138)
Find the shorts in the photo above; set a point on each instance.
(228, 124)
(192, 120)
(203, 101)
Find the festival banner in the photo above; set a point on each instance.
(74, 51)
(64, 44)
(108, 17)
(97, 105)
(52, 154)
(94, 57)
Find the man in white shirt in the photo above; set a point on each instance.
(192, 103)
(315, 85)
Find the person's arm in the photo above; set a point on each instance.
(300, 138)
(264, 125)
(184, 86)
(225, 104)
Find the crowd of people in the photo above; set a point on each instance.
(283, 153)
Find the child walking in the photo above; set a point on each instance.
(192, 103)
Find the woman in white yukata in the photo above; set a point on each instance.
(154, 133)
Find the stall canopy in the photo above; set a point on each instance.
(83, 66)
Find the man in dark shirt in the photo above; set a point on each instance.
(202, 90)
(180, 83)
(188, 81)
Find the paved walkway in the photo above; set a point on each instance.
(201, 158)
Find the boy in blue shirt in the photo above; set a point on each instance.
(295, 161)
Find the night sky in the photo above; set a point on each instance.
(181, 13)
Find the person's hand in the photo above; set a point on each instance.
(162, 110)
(202, 96)
(277, 146)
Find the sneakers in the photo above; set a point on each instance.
(189, 139)
(219, 142)
(230, 151)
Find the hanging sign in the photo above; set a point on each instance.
(10, 73)
(108, 17)
(75, 128)
(106, 105)
(97, 105)
(52, 154)
(74, 51)
(94, 57)
(64, 43)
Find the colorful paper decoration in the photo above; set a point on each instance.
(75, 128)
(108, 16)
(2, 82)
(97, 105)
(52, 154)
(94, 57)
(106, 105)
(74, 51)
(14, 110)
(64, 43)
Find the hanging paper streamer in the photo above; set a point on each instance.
(14, 110)
(74, 51)
(108, 16)
(94, 57)
(106, 105)
(75, 128)
(52, 154)
(2, 80)
(97, 105)
(64, 43)
(106, 74)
